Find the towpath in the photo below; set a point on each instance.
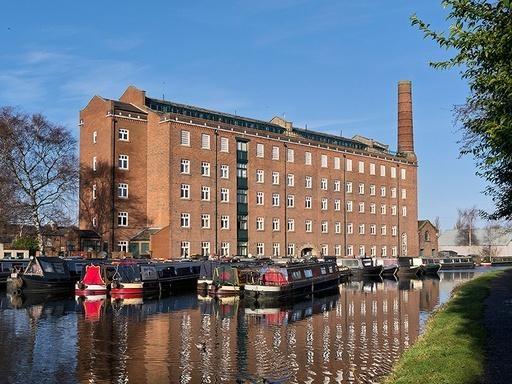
(498, 325)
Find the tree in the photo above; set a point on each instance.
(26, 242)
(437, 224)
(466, 225)
(39, 158)
(481, 38)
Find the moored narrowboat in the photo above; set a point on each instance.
(132, 279)
(93, 282)
(205, 279)
(8, 266)
(361, 267)
(229, 279)
(280, 282)
(389, 266)
(457, 262)
(430, 266)
(409, 266)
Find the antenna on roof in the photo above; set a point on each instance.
(163, 94)
(306, 126)
(341, 132)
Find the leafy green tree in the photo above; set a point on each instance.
(480, 38)
(26, 242)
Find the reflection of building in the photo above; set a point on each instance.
(427, 238)
(211, 183)
(429, 295)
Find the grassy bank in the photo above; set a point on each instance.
(452, 348)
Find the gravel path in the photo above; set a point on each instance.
(498, 325)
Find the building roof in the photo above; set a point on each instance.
(422, 223)
(128, 107)
(500, 237)
(145, 234)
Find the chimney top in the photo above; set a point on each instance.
(405, 122)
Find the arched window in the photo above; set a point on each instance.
(427, 236)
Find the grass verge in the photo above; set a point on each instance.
(451, 350)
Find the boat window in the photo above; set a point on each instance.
(34, 269)
(323, 271)
(58, 267)
(296, 275)
(148, 273)
(47, 267)
(331, 269)
(308, 273)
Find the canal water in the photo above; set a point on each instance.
(353, 336)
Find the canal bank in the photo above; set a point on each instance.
(454, 344)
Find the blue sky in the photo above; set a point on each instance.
(332, 65)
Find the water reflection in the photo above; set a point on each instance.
(352, 336)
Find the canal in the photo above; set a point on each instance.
(350, 337)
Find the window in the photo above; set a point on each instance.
(224, 144)
(205, 221)
(361, 207)
(260, 223)
(275, 224)
(290, 155)
(224, 195)
(260, 150)
(122, 246)
(402, 173)
(291, 249)
(205, 193)
(275, 178)
(309, 182)
(361, 167)
(361, 189)
(337, 227)
(241, 196)
(260, 249)
(94, 191)
(224, 171)
(260, 175)
(349, 187)
(323, 184)
(205, 248)
(205, 168)
(275, 199)
(404, 211)
(291, 225)
(348, 165)
(123, 161)
(185, 249)
(275, 153)
(241, 170)
(362, 251)
(95, 137)
(185, 191)
(384, 251)
(337, 250)
(242, 222)
(241, 146)
(349, 206)
(94, 163)
(372, 190)
(373, 229)
(373, 208)
(337, 163)
(185, 220)
(309, 226)
(383, 191)
(123, 135)
(291, 201)
(394, 251)
(393, 210)
(291, 180)
(260, 198)
(224, 249)
(185, 138)
(324, 250)
(373, 251)
(307, 202)
(94, 221)
(224, 222)
(393, 193)
(404, 194)
(205, 141)
(122, 219)
(393, 230)
(393, 172)
(122, 190)
(350, 250)
(372, 169)
(324, 204)
(361, 229)
(324, 161)
(383, 170)
(185, 166)
(350, 228)
(383, 209)
(307, 158)
(275, 249)
(383, 230)
(337, 185)
(325, 227)
(427, 236)
(337, 204)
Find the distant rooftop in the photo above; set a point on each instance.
(500, 237)
(283, 128)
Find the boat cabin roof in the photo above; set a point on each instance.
(47, 266)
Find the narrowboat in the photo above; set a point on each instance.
(132, 279)
(291, 280)
(230, 279)
(430, 266)
(501, 260)
(205, 279)
(362, 267)
(458, 262)
(43, 274)
(8, 266)
(389, 266)
(409, 266)
(177, 275)
(93, 282)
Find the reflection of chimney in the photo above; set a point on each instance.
(405, 131)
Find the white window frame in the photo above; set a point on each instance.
(205, 141)
(185, 167)
(185, 138)
(122, 190)
(123, 162)
(224, 144)
(224, 171)
(122, 219)
(185, 220)
(123, 134)
(260, 150)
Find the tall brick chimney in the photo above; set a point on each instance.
(405, 130)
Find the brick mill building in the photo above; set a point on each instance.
(173, 180)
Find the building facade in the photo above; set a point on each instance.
(185, 181)
(427, 238)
